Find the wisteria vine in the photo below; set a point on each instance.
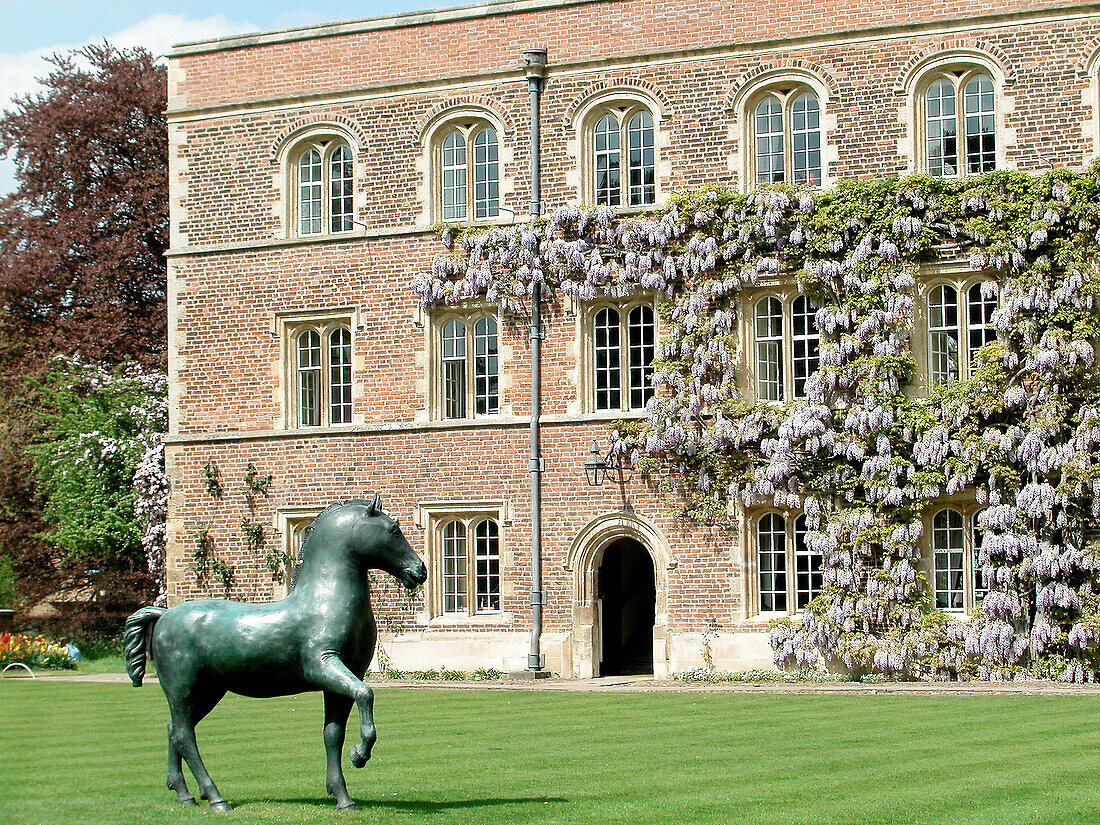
(864, 455)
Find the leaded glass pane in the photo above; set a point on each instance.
(977, 536)
(487, 566)
(981, 127)
(453, 177)
(606, 158)
(804, 343)
(979, 322)
(641, 168)
(309, 379)
(486, 374)
(807, 567)
(769, 349)
(941, 129)
(486, 175)
(339, 366)
(769, 140)
(771, 562)
(641, 333)
(943, 335)
(947, 559)
(806, 140)
(340, 183)
(309, 193)
(452, 341)
(607, 359)
(454, 567)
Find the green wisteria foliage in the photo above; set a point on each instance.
(867, 455)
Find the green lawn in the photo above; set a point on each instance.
(94, 753)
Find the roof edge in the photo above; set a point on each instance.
(486, 8)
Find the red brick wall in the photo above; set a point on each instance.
(225, 356)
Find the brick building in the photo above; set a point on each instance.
(308, 168)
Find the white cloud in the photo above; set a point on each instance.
(158, 33)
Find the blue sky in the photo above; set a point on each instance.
(31, 30)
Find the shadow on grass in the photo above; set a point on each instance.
(421, 806)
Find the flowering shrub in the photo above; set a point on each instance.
(35, 652)
(861, 457)
(100, 466)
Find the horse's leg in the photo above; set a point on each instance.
(176, 780)
(336, 720)
(187, 712)
(330, 674)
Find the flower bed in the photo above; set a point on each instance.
(34, 652)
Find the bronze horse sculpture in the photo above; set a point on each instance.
(320, 637)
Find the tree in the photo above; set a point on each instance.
(81, 253)
(82, 239)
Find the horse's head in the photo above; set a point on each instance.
(378, 541)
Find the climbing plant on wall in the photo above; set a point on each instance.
(863, 455)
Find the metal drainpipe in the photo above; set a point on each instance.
(535, 62)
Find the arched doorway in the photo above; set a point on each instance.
(626, 587)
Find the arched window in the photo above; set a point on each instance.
(621, 155)
(467, 158)
(768, 325)
(323, 186)
(807, 567)
(805, 341)
(947, 326)
(771, 563)
(622, 376)
(322, 376)
(782, 548)
(959, 122)
(786, 137)
(469, 573)
(469, 368)
(948, 574)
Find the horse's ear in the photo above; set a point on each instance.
(375, 506)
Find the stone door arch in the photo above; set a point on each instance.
(583, 561)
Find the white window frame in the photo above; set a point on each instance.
(435, 517)
(971, 592)
(960, 79)
(799, 573)
(968, 335)
(469, 129)
(787, 96)
(630, 368)
(326, 145)
(440, 353)
(623, 104)
(797, 351)
(288, 328)
(957, 62)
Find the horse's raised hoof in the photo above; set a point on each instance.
(187, 800)
(350, 806)
(359, 755)
(221, 807)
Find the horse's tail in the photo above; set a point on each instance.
(135, 641)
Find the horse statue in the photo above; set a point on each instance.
(320, 637)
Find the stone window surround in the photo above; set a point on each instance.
(285, 329)
(911, 146)
(583, 377)
(290, 149)
(742, 160)
(430, 188)
(432, 516)
(580, 175)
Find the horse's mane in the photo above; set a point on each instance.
(307, 545)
